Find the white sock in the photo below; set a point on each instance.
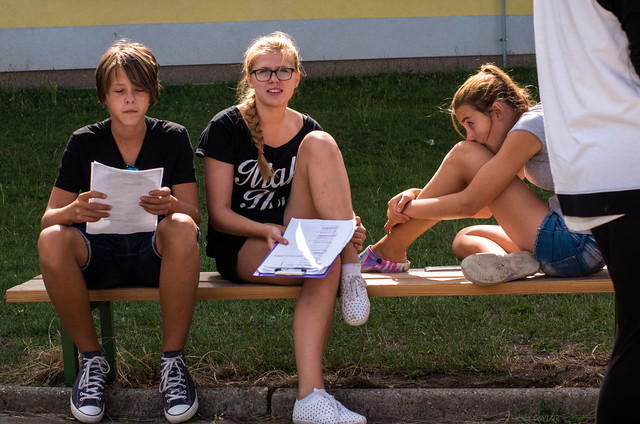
(351, 268)
(311, 396)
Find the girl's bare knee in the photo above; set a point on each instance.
(458, 245)
(318, 143)
(467, 153)
(462, 245)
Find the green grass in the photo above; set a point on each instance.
(384, 125)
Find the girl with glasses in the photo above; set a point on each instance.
(265, 163)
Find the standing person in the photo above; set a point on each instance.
(73, 261)
(588, 56)
(265, 163)
(483, 176)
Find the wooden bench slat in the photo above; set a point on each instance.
(211, 286)
(416, 282)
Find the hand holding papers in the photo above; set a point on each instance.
(124, 189)
(314, 244)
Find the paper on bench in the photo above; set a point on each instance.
(124, 188)
(314, 244)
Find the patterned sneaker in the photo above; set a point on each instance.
(324, 409)
(179, 392)
(354, 299)
(87, 395)
(371, 262)
(485, 269)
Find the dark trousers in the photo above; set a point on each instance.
(619, 401)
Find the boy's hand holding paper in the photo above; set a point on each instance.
(124, 189)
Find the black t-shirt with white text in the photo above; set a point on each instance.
(166, 145)
(228, 139)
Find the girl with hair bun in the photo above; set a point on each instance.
(481, 177)
(265, 163)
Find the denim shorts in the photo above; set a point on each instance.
(563, 253)
(121, 260)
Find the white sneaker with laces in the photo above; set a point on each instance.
(354, 299)
(324, 409)
(485, 269)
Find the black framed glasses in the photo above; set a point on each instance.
(264, 74)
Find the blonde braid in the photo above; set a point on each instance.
(251, 118)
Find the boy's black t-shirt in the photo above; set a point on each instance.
(228, 139)
(166, 145)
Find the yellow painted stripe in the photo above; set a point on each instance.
(62, 13)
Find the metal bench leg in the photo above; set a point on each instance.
(107, 335)
(70, 352)
(69, 358)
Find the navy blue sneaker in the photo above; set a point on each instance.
(87, 396)
(177, 388)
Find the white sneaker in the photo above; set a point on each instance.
(485, 269)
(354, 299)
(324, 409)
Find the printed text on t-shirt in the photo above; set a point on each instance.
(261, 193)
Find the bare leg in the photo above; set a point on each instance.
(63, 252)
(393, 246)
(518, 210)
(482, 238)
(313, 316)
(312, 321)
(320, 189)
(452, 176)
(176, 240)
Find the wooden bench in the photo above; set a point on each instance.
(436, 281)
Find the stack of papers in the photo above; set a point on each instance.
(314, 244)
(124, 188)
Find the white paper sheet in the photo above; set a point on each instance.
(314, 244)
(124, 188)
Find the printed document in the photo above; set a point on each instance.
(124, 188)
(314, 244)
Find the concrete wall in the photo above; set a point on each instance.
(203, 40)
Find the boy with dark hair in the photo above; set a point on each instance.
(73, 261)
